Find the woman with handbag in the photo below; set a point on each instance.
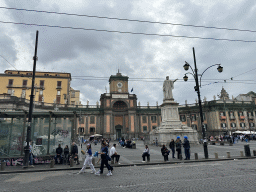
(104, 160)
(165, 152)
(88, 160)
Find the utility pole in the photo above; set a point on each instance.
(27, 150)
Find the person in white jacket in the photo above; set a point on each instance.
(88, 160)
(113, 154)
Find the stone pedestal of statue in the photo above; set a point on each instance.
(171, 126)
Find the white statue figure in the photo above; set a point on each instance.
(139, 103)
(168, 86)
(157, 103)
(214, 97)
(87, 102)
(186, 102)
(147, 103)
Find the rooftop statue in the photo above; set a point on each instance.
(168, 86)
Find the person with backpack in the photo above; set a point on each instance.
(178, 147)
(186, 146)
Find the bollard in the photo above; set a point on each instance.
(71, 162)
(148, 158)
(196, 156)
(254, 152)
(241, 153)
(51, 163)
(247, 151)
(228, 155)
(93, 161)
(2, 165)
(216, 155)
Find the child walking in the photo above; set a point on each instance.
(88, 160)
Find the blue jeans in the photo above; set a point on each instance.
(30, 159)
(173, 152)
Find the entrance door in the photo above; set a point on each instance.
(118, 131)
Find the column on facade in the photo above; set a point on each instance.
(228, 120)
(246, 121)
(49, 134)
(236, 119)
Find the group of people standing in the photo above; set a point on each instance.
(178, 145)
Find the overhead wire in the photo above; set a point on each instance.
(130, 20)
(129, 32)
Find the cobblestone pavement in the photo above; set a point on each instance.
(133, 156)
(236, 175)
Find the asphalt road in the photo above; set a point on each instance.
(235, 175)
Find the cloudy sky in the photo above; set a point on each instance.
(92, 56)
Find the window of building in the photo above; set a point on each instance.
(58, 99)
(250, 114)
(41, 83)
(28, 73)
(193, 117)
(9, 73)
(242, 125)
(65, 96)
(144, 119)
(240, 113)
(145, 128)
(204, 117)
(25, 83)
(23, 93)
(223, 125)
(222, 113)
(58, 84)
(58, 92)
(81, 119)
(9, 91)
(251, 124)
(41, 92)
(72, 102)
(10, 82)
(183, 118)
(154, 127)
(92, 130)
(153, 119)
(233, 125)
(46, 74)
(81, 129)
(73, 94)
(92, 119)
(194, 126)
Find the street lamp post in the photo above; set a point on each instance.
(197, 89)
(27, 150)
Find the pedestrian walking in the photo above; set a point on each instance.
(186, 146)
(172, 147)
(156, 142)
(165, 152)
(104, 160)
(88, 160)
(145, 154)
(178, 147)
(113, 153)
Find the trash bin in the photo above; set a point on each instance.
(247, 151)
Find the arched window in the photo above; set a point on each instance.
(119, 105)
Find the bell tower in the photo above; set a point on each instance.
(118, 83)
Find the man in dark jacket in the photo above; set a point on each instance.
(59, 151)
(186, 146)
(172, 147)
(74, 153)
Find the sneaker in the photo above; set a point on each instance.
(97, 173)
(93, 172)
(109, 173)
(143, 161)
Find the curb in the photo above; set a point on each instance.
(126, 165)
